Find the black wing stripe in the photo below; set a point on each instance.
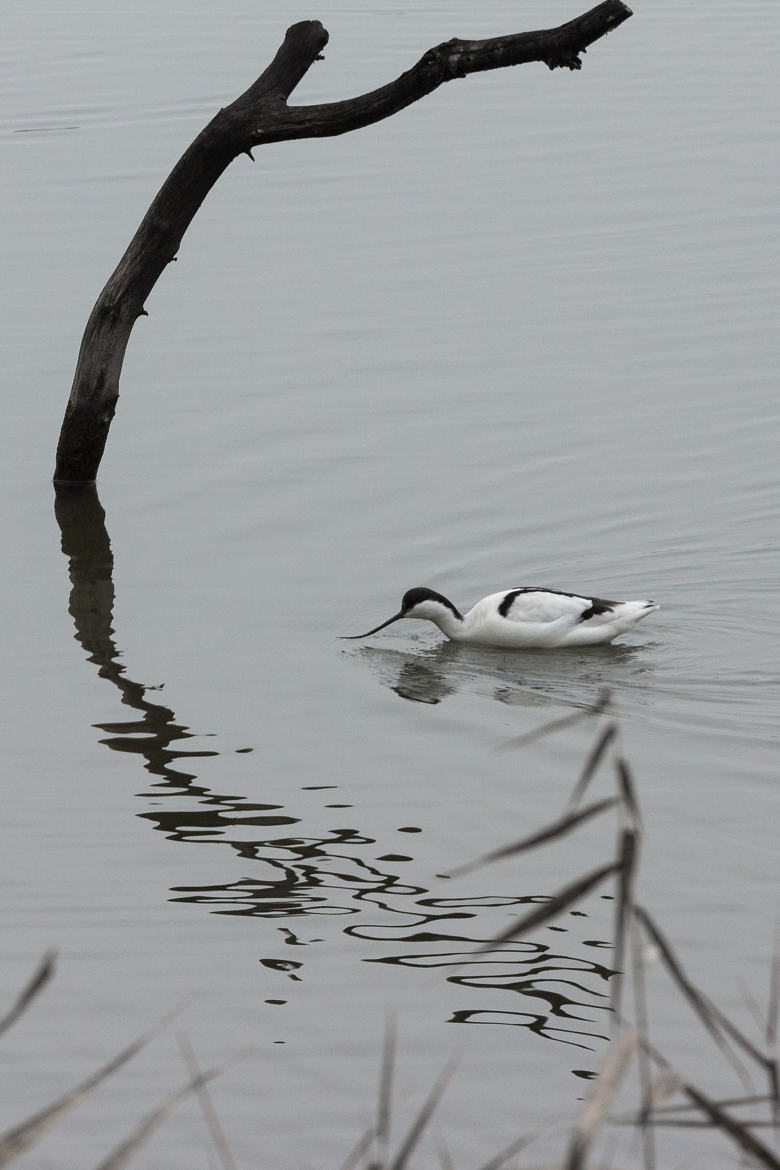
(509, 601)
(598, 605)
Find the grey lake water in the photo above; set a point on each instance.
(524, 332)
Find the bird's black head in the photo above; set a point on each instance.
(419, 594)
(416, 603)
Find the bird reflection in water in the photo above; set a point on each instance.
(532, 678)
(331, 874)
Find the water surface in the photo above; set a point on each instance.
(525, 332)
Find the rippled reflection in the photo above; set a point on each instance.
(91, 565)
(293, 874)
(534, 678)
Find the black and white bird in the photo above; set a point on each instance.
(528, 617)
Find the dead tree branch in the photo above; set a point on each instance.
(258, 116)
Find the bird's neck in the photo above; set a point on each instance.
(448, 623)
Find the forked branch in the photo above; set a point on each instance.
(258, 116)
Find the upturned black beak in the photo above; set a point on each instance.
(389, 622)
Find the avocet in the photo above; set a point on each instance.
(528, 617)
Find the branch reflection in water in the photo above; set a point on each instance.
(334, 874)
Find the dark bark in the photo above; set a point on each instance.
(258, 116)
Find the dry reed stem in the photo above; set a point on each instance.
(148, 1124)
(715, 1021)
(593, 1112)
(601, 704)
(555, 829)
(595, 756)
(16, 1140)
(210, 1117)
(559, 902)
(422, 1119)
(40, 977)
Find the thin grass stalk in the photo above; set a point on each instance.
(148, 1124)
(555, 829)
(736, 1130)
(697, 1123)
(500, 1159)
(385, 1091)
(715, 1021)
(420, 1122)
(40, 977)
(753, 1006)
(559, 902)
(603, 1089)
(213, 1125)
(775, 1087)
(643, 1061)
(16, 1140)
(445, 1160)
(627, 790)
(627, 862)
(595, 756)
(361, 1147)
(720, 1119)
(661, 1111)
(598, 707)
(765, 1025)
(773, 1010)
(773, 1007)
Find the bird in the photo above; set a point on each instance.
(528, 617)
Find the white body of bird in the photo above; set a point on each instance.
(524, 618)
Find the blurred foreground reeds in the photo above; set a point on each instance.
(666, 1099)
